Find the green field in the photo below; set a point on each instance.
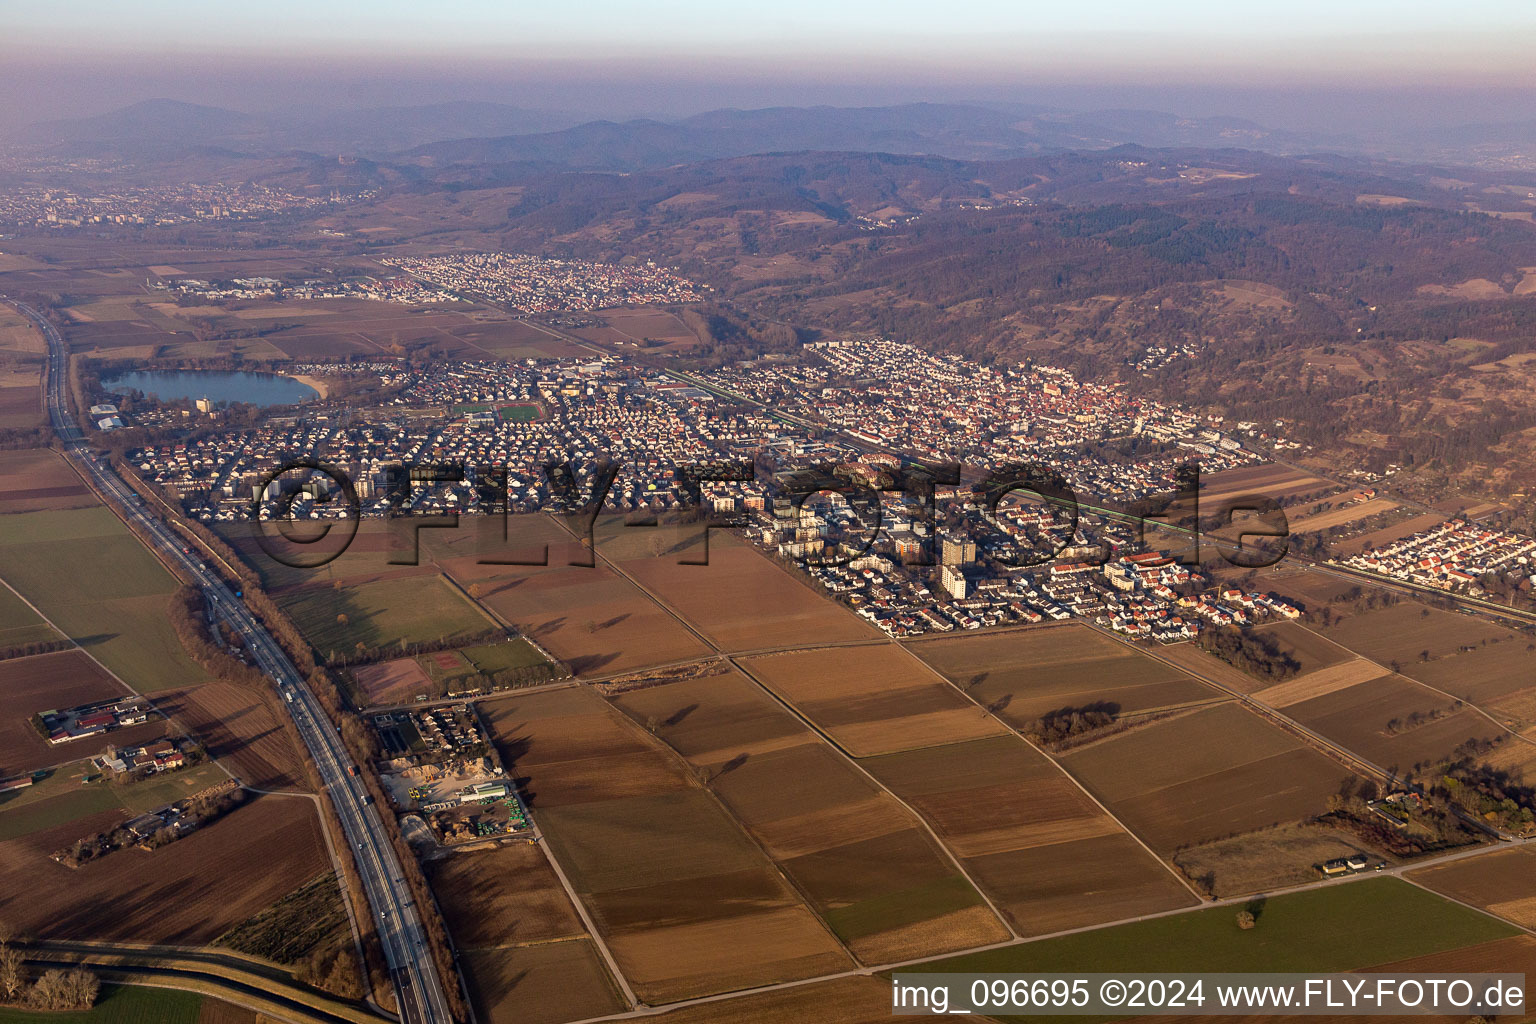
(1335, 928)
(20, 624)
(898, 909)
(518, 413)
(160, 790)
(521, 413)
(75, 805)
(383, 614)
(503, 657)
(102, 587)
(121, 1004)
(62, 797)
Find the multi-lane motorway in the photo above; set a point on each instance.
(418, 986)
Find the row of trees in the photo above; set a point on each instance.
(35, 647)
(1254, 653)
(56, 989)
(1056, 727)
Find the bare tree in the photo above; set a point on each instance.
(12, 974)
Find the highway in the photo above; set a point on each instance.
(418, 986)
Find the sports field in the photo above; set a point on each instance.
(102, 587)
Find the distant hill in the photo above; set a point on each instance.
(956, 131)
(152, 123)
(165, 129)
(496, 141)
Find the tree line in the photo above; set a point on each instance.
(1255, 653)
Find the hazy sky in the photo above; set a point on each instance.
(679, 56)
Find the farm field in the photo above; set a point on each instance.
(380, 614)
(1312, 650)
(1269, 479)
(515, 339)
(1048, 856)
(688, 903)
(35, 479)
(116, 316)
(741, 600)
(241, 729)
(1357, 717)
(860, 999)
(1326, 519)
(1308, 589)
(391, 682)
(63, 803)
(43, 683)
(590, 618)
(187, 893)
(126, 1004)
(16, 332)
(442, 672)
(1320, 683)
(21, 393)
(1401, 631)
(1030, 672)
(1482, 675)
(1204, 666)
(365, 558)
(1211, 773)
(1502, 883)
(544, 983)
(1362, 924)
(19, 624)
(862, 859)
(872, 699)
(121, 616)
(504, 896)
(509, 915)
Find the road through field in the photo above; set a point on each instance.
(418, 986)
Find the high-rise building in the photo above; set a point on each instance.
(958, 552)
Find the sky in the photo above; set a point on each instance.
(675, 57)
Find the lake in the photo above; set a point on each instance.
(261, 389)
